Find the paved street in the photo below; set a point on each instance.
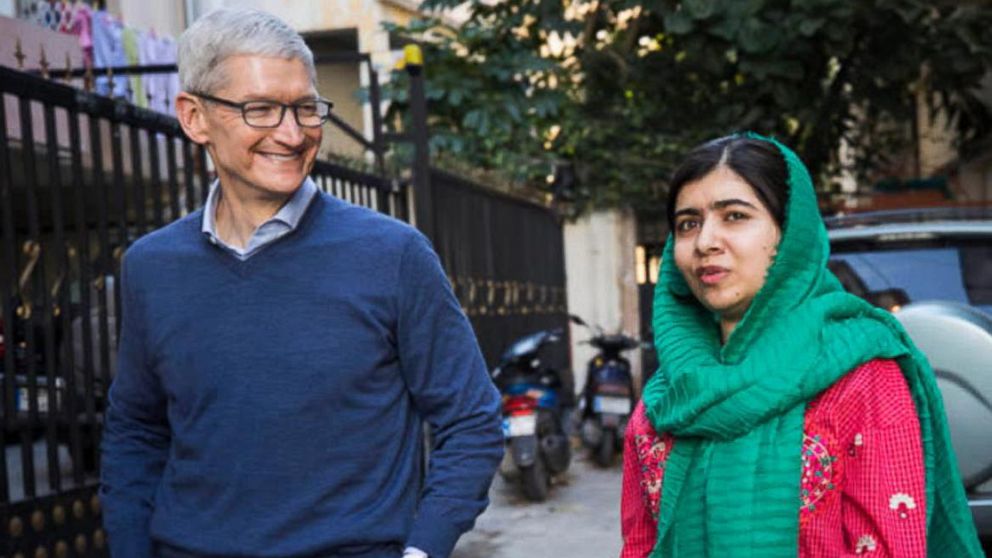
(580, 519)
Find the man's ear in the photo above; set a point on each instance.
(189, 111)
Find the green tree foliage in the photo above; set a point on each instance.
(622, 88)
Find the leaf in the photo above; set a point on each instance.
(472, 119)
(699, 9)
(756, 37)
(678, 23)
(809, 27)
(727, 28)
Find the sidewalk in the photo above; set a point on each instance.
(580, 519)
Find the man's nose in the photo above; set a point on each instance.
(289, 132)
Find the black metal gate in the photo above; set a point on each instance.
(81, 178)
(505, 259)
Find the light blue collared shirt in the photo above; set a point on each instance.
(282, 223)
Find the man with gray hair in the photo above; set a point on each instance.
(280, 348)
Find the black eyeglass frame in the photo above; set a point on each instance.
(282, 113)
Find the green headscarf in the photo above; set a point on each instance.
(732, 480)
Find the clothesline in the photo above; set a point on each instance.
(107, 43)
(115, 70)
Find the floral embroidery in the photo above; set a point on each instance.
(866, 543)
(902, 503)
(821, 473)
(651, 456)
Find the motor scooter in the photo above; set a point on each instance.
(533, 422)
(607, 399)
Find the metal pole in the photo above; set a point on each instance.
(423, 195)
(375, 98)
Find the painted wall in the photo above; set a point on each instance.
(165, 18)
(601, 282)
(340, 83)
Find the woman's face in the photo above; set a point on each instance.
(725, 241)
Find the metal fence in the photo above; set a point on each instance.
(81, 178)
(505, 259)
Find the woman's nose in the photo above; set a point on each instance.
(709, 237)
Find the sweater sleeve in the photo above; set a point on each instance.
(883, 507)
(136, 437)
(638, 526)
(450, 386)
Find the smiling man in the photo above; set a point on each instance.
(280, 349)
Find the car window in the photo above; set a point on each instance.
(888, 277)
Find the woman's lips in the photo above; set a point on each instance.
(711, 275)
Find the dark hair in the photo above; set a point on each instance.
(758, 162)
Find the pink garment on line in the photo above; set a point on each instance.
(863, 488)
(79, 22)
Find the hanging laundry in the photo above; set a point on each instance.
(108, 51)
(160, 88)
(132, 51)
(42, 13)
(168, 54)
(78, 21)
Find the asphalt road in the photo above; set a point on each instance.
(580, 519)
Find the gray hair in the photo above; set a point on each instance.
(224, 33)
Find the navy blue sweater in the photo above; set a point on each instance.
(272, 407)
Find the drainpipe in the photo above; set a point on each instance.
(188, 12)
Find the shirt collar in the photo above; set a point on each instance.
(289, 214)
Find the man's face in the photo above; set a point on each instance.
(266, 162)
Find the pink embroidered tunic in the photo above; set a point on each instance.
(863, 482)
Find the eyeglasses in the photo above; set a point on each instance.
(311, 113)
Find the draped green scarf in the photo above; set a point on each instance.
(732, 480)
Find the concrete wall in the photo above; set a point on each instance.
(340, 83)
(165, 18)
(601, 283)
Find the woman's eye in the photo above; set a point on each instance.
(736, 216)
(686, 225)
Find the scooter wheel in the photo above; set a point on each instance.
(535, 481)
(606, 449)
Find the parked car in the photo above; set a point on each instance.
(933, 269)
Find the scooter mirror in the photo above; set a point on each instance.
(577, 320)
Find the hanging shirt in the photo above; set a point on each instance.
(79, 22)
(161, 89)
(131, 39)
(108, 50)
(167, 54)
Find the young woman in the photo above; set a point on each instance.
(788, 418)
